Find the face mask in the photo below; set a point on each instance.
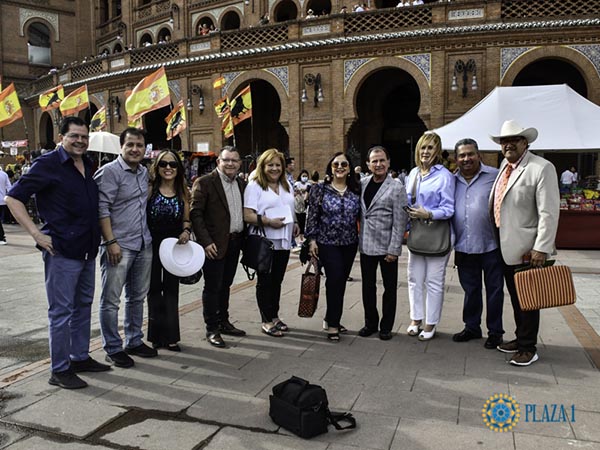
(304, 179)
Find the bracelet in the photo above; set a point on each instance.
(111, 242)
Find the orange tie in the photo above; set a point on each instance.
(499, 194)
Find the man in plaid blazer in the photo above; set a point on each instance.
(382, 225)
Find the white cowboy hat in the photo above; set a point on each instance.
(511, 128)
(181, 260)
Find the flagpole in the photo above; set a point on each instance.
(26, 132)
(251, 133)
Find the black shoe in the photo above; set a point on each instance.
(366, 332)
(385, 335)
(466, 335)
(493, 341)
(173, 347)
(120, 359)
(215, 340)
(67, 380)
(228, 328)
(142, 351)
(88, 365)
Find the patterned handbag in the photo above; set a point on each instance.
(309, 290)
(546, 287)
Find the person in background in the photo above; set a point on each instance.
(575, 177)
(430, 190)
(68, 199)
(315, 177)
(269, 200)
(566, 180)
(332, 228)
(476, 249)
(5, 186)
(168, 213)
(301, 189)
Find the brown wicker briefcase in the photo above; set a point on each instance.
(546, 287)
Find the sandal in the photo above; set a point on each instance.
(342, 328)
(333, 337)
(281, 326)
(273, 331)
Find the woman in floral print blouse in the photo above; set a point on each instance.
(331, 226)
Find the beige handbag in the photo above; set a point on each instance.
(546, 287)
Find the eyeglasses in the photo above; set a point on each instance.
(76, 136)
(164, 164)
(510, 140)
(337, 164)
(230, 161)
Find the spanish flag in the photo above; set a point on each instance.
(99, 120)
(10, 108)
(241, 106)
(219, 82)
(151, 93)
(75, 102)
(135, 122)
(227, 126)
(222, 110)
(176, 121)
(51, 99)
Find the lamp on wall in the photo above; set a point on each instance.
(116, 107)
(315, 81)
(196, 90)
(174, 10)
(460, 67)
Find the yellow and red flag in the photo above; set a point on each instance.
(222, 110)
(219, 82)
(51, 99)
(149, 94)
(227, 126)
(99, 120)
(10, 108)
(241, 106)
(75, 101)
(176, 121)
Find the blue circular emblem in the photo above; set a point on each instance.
(501, 413)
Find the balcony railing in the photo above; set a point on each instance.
(353, 24)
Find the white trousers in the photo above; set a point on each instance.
(426, 279)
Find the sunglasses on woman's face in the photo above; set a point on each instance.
(337, 164)
(164, 164)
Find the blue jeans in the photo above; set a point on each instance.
(133, 274)
(70, 291)
(470, 268)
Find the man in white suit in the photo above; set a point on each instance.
(524, 204)
(382, 225)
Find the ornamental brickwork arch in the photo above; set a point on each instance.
(562, 53)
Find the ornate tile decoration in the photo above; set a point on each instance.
(282, 74)
(509, 55)
(229, 77)
(350, 68)
(175, 88)
(423, 63)
(26, 14)
(591, 52)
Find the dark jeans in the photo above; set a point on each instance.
(389, 273)
(218, 278)
(163, 302)
(2, 209)
(528, 322)
(268, 286)
(337, 261)
(470, 267)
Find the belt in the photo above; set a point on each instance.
(233, 236)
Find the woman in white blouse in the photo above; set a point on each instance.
(269, 198)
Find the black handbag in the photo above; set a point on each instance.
(192, 279)
(428, 237)
(257, 252)
(303, 409)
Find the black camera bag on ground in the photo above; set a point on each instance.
(303, 409)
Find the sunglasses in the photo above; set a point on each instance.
(337, 164)
(171, 164)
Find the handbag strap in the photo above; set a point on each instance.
(312, 262)
(335, 417)
(413, 193)
(260, 227)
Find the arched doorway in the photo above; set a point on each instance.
(387, 105)
(552, 71)
(319, 7)
(284, 11)
(46, 131)
(230, 21)
(156, 130)
(39, 43)
(146, 40)
(164, 35)
(263, 130)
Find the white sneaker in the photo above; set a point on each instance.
(3, 242)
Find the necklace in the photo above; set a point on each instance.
(340, 191)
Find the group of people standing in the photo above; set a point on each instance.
(124, 211)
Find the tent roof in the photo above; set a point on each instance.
(564, 119)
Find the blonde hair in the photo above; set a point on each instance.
(429, 137)
(263, 160)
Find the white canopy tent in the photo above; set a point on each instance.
(564, 119)
(104, 142)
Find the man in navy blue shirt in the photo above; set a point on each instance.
(476, 249)
(67, 198)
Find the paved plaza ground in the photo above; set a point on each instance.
(405, 394)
